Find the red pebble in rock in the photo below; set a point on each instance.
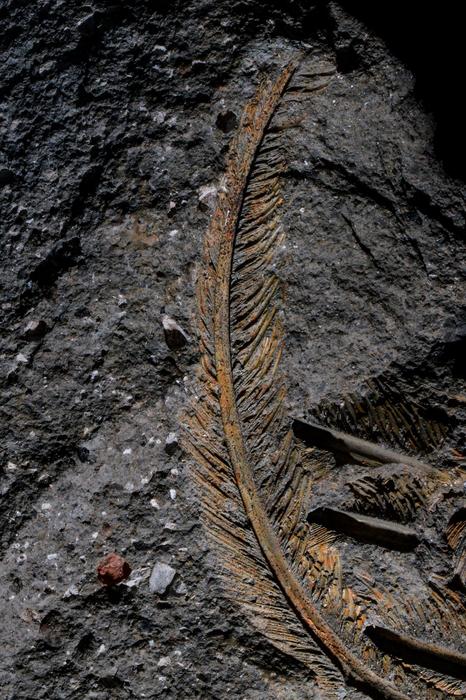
(112, 569)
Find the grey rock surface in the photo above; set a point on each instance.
(117, 122)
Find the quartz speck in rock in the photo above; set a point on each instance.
(161, 577)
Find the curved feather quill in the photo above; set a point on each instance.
(253, 476)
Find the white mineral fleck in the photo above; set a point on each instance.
(164, 661)
(207, 196)
(161, 577)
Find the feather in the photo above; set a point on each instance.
(253, 475)
(382, 411)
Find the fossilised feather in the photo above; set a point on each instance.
(253, 477)
(245, 572)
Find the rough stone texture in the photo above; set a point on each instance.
(117, 119)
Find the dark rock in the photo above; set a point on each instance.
(175, 336)
(59, 259)
(6, 175)
(87, 25)
(171, 443)
(227, 121)
(116, 119)
(35, 329)
(53, 629)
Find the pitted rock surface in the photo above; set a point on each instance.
(116, 122)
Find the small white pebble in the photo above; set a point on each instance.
(72, 590)
(173, 494)
(182, 589)
(154, 503)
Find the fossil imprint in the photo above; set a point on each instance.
(257, 475)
